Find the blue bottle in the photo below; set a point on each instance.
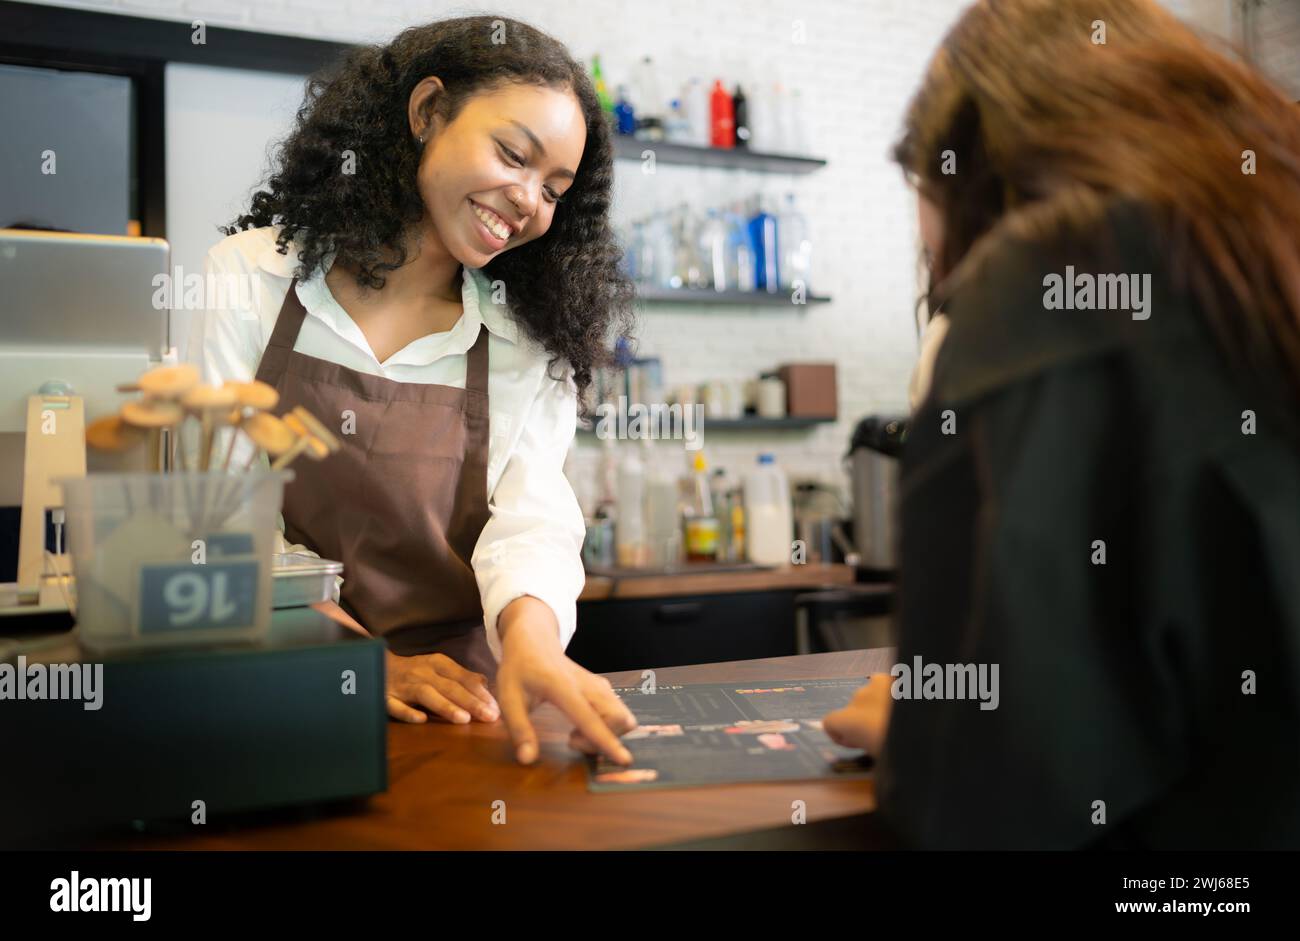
(624, 115)
(767, 254)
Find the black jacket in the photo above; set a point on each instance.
(1119, 682)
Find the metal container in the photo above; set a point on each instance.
(298, 580)
(874, 464)
(598, 546)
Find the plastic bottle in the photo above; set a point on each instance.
(722, 117)
(664, 251)
(663, 524)
(739, 541)
(777, 128)
(769, 517)
(633, 252)
(607, 479)
(796, 246)
(701, 524)
(740, 253)
(720, 491)
(602, 90)
(688, 271)
(763, 239)
(695, 101)
(646, 97)
(677, 127)
(624, 113)
(629, 531)
(713, 253)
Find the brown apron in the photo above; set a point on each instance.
(402, 504)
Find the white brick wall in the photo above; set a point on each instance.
(1277, 42)
(856, 71)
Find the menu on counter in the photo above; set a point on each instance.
(729, 733)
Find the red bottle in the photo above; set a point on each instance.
(722, 117)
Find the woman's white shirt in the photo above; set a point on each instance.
(532, 542)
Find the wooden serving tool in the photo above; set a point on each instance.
(305, 442)
(153, 415)
(268, 434)
(317, 428)
(208, 403)
(253, 397)
(169, 383)
(113, 433)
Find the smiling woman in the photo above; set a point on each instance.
(405, 140)
(433, 264)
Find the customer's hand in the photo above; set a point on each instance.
(864, 722)
(534, 670)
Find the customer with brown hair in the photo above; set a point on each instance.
(1101, 492)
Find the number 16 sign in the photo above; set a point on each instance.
(182, 596)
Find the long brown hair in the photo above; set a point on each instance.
(1046, 125)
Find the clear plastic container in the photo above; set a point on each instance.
(629, 524)
(172, 559)
(769, 515)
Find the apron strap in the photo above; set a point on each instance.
(476, 364)
(289, 321)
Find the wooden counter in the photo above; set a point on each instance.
(702, 581)
(443, 780)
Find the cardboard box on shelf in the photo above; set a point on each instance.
(810, 390)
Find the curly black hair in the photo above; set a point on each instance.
(566, 289)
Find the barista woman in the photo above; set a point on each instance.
(432, 269)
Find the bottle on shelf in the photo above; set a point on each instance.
(718, 274)
(695, 101)
(607, 480)
(688, 272)
(763, 240)
(648, 101)
(740, 110)
(769, 516)
(663, 524)
(677, 126)
(776, 115)
(722, 118)
(700, 523)
(662, 272)
(739, 540)
(740, 252)
(796, 246)
(602, 90)
(624, 113)
(720, 491)
(629, 523)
